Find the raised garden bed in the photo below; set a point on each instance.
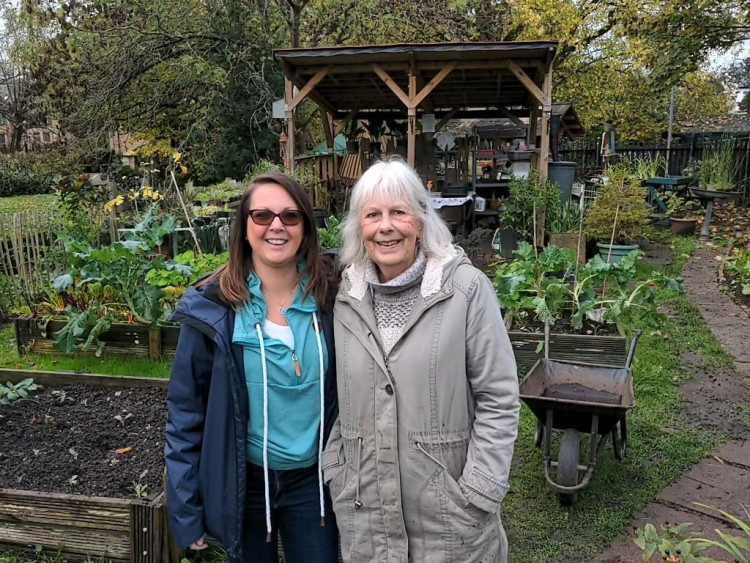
(133, 340)
(81, 468)
(528, 347)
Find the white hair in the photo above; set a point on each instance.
(392, 179)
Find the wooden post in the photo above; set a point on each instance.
(411, 147)
(325, 117)
(289, 96)
(546, 114)
(154, 344)
(544, 149)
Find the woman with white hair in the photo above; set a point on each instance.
(418, 462)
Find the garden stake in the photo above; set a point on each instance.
(187, 216)
(578, 242)
(533, 236)
(614, 229)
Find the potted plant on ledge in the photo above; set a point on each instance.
(683, 214)
(618, 215)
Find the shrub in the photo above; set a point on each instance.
(619, 212)
(17, 182)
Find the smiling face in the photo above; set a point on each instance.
(390, 231)
(274, 245)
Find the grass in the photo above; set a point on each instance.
(27, 203)
(113, 365)
(661, 444)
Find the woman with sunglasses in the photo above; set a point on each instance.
(252, 395)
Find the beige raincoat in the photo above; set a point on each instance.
(418, 463)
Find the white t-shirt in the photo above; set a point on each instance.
(279, 332)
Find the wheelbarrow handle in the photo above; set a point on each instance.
(633, 344)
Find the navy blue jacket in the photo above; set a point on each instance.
(207, 422)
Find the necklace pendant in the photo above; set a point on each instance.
(282, 311)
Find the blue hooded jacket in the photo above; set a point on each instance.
(207, 422)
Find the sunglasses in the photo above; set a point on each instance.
(265, 217)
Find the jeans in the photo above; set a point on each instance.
(295, 514)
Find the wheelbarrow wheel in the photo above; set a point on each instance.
(567, 465)
(620, 439)
(539, 435)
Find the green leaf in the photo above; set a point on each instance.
(102, 324)
(71, 335)
(146, 303)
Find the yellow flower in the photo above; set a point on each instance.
(114, 202)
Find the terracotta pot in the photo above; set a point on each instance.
(682, 227)
(494, 204)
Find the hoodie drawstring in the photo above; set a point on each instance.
(322, 412)
(321, 364)
(357, 502)
(265, 430)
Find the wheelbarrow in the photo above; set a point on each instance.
(578, 398)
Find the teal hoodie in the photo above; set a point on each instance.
(293, 401)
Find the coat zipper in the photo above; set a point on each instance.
(297, 369)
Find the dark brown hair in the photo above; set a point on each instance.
(233, 275)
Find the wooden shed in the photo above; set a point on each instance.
(427, 83)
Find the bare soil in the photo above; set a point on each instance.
(734, 289)
(82, 439)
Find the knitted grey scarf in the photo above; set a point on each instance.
(394, 300)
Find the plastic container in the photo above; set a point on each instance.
(520, 156)
(562, 173)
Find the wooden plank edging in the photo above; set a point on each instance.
(52, 378)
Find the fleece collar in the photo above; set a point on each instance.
(431, 280)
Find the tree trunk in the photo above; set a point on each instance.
(294, 13)
(15, 144)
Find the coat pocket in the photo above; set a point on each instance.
(334, 471)
(452, 490)
(357, 521)
(467, 533)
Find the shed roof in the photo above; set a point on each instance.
(482, 79)
(504, 128)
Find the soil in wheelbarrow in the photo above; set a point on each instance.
(81, 439)
(578, 392)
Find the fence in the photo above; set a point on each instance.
(30, 256)
(587, 155)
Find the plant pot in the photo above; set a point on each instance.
(683, 227)
(164, 250)
(508, 243)
(563, 174)
(613, 253)
(520, 156)
(494, 204)
(570, 240)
